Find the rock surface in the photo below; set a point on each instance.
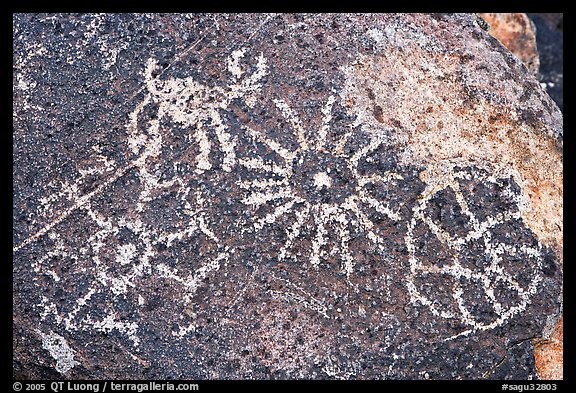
(549, 354)
(280, 196)
(517, 32)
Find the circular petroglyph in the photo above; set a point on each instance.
(486, 275)
(320, 187)
(279, 196)
(316, 186)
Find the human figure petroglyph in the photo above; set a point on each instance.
(314, 186)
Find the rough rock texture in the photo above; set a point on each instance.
(517, 32)
(548, 354)
(280, 196)
(550, 40)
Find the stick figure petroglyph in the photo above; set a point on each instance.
(315, 190)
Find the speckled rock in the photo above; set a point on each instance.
(517, 32)
(549, 353)
(280, 196)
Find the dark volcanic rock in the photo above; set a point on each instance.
(280, 196)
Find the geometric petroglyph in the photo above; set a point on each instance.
(114, 266)
(316, 186)
(488, 276)
(116, 260)
(276, 196)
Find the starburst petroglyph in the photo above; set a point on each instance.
(320, 184)
(102, 261)
(315, 190)
(488, 272)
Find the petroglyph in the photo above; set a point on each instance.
(196, 107)
(251, 210)
(136, 260)
(191, 105)
(313, 187)
(486, 278)
(319, 184)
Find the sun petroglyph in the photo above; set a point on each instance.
(139, 262)
(320, 184)
(279, 196)
(316, 190)
(489, 271)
